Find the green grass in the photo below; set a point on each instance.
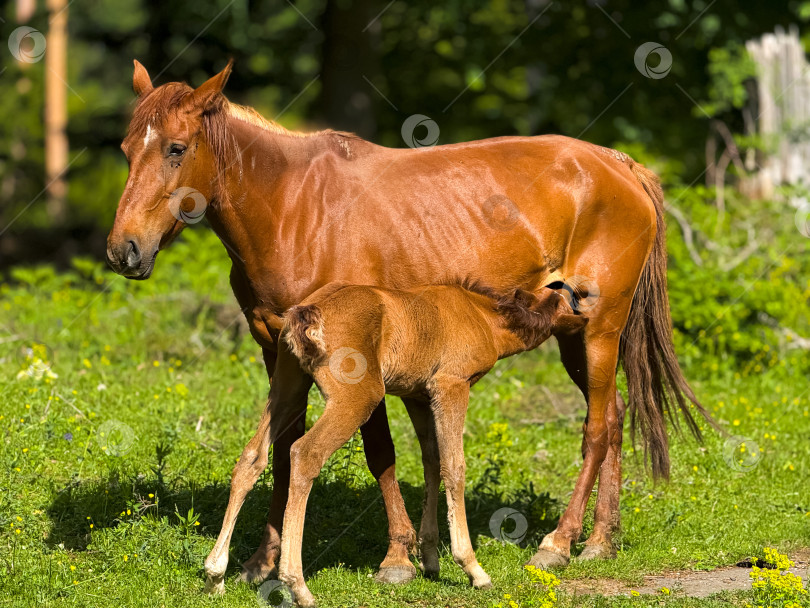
(168, 362)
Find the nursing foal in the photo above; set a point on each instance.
(426, 345)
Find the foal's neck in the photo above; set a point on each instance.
(507, 343)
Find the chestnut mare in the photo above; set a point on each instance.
(297, 211)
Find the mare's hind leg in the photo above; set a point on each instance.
(606, 515)
(598, 359)
(379, 448)
(424, 425)
(607, 521)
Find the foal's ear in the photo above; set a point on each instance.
(141, 83)
(206, 95)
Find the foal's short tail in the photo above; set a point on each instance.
(303, 332)
(655, 382)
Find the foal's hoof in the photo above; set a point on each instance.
(602, 551)
(481, 580)
(545, 559)
(215, 586)
(483, 584)
(396, 575)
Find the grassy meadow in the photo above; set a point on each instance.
(116, 452)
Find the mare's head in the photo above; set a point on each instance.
(172, 169)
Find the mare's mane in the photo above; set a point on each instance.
(163, 101)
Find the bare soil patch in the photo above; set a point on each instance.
(688, 583)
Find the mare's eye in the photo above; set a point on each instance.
(176, 150)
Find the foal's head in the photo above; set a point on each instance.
(534, 318)
(172, 169)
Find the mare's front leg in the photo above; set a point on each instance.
(379, 449)
(277, 415)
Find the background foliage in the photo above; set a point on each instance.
(525, 66)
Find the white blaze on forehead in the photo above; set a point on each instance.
(150, 135)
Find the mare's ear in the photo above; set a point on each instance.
(207, 95)
(566, 324)
(141, 83)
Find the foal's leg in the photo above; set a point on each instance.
(422, 419)
(379, 448)
(262, 564)
(450, 399)
(607, 521)
(250, 466)
(345, 411)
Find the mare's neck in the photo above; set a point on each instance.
(251, 171)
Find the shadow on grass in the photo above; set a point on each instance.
(346, 523)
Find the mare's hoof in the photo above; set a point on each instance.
(603, 551)
(545, 559)
(256, 572)
(396, 575)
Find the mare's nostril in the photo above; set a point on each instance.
(134, 255)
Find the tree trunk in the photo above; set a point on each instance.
(347, 100)
(56, 142)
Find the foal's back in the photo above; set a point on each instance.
(407, 336)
